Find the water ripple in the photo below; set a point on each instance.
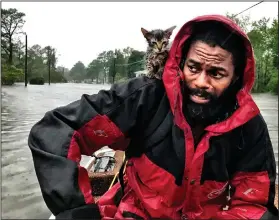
(21, 109)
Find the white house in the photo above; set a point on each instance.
(140, 73)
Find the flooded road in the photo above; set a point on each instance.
(22, 107)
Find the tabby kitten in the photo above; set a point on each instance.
(157, 50)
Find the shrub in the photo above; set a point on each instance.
(10, 74)
(38, 80)
(273, 82)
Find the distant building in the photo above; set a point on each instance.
(140, 73)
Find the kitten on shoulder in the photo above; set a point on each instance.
(157, 50)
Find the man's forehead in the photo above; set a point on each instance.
(202, 52)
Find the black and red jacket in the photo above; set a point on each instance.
(170, 178)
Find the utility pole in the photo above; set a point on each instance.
(48, 66)
(104, 69)
(25, 69)
(114, 70)
(63, 74)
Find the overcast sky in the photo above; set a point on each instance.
(80, 31)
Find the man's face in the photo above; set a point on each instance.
(208, 72)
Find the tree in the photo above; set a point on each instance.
(242, 21)
(121, 62)
(78, 71)
(108, 63)
(135, 62)
(36, 62)
(63, 73)
(273, 43)
(93, 70)
(10, 74)
(127, 52)
(19, 54)
(264, 39)
(51, 59)
(260, 39)
(11, 24)
(13, 52)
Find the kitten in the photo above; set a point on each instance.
(157, 50)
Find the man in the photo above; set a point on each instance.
(209, 140)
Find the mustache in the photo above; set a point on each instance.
(202, 93)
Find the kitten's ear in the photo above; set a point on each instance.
(146, 33)
(169, 31)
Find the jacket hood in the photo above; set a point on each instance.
(173, 74)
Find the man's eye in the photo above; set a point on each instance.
(193, 69)
(216, 75)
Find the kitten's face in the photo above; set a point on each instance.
(158, 40)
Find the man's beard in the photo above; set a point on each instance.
(216, 110)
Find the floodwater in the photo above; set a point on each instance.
(22, 107)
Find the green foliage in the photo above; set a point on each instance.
(136, 61)
(272, 85)
(242, 21)
(40, 60)
(11, 24)
(78, 72)
(263, 35)
(56, 77)
(93, 69)
(118, 64)
(36, 63)
(10, 74)
(121, 64)
(38, 80)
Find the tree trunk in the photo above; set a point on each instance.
(49, 72)
(265, 73)
(19, 58)
(260, 77)
(10, 61)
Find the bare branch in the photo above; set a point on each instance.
(5, 26)
(14, 29)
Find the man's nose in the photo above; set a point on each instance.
(202, 81)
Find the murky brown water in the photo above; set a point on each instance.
(21, 108)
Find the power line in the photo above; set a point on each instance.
(127, 64)
(237, 15)
(248, 8)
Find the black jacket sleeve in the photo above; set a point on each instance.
(89, 211)
(253, 176)
(59, 139)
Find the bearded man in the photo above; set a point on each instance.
(206, 140)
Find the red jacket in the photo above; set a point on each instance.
(170, 179)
